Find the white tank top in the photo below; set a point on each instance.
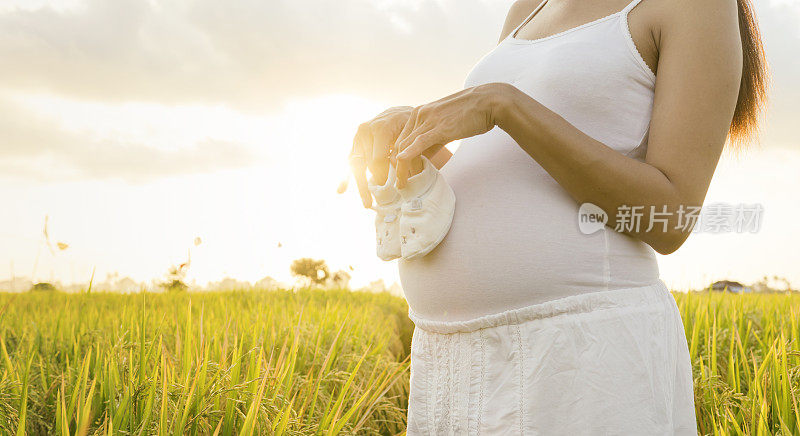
(514, 239)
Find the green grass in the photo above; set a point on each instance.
(317, 362)
(228, 363)
(745, 353)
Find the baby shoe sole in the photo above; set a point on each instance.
(387, 259)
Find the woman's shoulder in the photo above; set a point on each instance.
(523, 8)
(688, 15)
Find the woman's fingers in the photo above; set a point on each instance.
(419, 143)
(407, 130)
(409, 127)
(360, 174)
(358, 163)
(365, 141)
(373, 146)
(371, 151)
(383, 138)
(359, 168)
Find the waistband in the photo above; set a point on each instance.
(574, 304)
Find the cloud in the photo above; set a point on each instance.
(248, 53)
(778, 22)
(255, 55)
(33, 146)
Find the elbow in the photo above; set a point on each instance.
(665, 249)
(668, 243)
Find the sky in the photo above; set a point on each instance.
(138, 126)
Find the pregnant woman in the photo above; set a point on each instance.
(524, 323)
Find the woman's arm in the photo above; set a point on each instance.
(699, 71)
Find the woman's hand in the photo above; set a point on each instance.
(431, 126)
(372, 146)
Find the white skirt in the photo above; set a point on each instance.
(602, 363)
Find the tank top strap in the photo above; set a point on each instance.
(630, 6)
(513, 33)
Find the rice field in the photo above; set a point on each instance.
(745, 352)
(316, 362)
(227, 363)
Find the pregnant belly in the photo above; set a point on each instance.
(515, 241)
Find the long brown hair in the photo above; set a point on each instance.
(755, 77)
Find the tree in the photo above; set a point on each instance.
(340, 279)
(315, 271)
(43, 287)
(267, 283)
(174, 280)
(773, 284)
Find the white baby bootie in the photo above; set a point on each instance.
(387, 208)
(426, 212)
